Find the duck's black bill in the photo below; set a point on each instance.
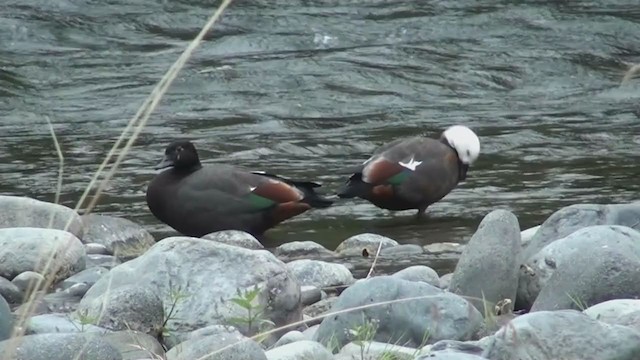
(164, 163)
(462, 173)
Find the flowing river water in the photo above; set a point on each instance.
(305, 88)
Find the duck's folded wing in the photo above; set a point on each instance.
(236, 191)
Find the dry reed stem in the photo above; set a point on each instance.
(301, 322)
(149, 106)
(145, 111)
(34, 287)
(633, 70)
(161, 88)
(375, 260)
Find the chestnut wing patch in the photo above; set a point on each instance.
(383, 171)
(273, 192)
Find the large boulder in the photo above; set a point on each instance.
(419, 273)
(235, 238)
(30, 249)
(6, 320)
(300, 350)
(574, 217)
(18, 211)
(320, 274)
(591, 265)
(122, 237)
(133, 307)
(367, 241)
(488, 267)
(617, 312)
(219, 343)
(198, 279)
(562, 334)
(428, 313)
(60, 347)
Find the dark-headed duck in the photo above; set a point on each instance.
(196, 200)
(415, 172)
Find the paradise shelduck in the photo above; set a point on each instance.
(196, 200)
(415, 172)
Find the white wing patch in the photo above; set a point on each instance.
(411, 165)
(251, 188)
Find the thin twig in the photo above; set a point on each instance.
(633, 70)
(375, 260)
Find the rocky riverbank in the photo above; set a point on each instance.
(565, 290)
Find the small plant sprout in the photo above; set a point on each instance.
(254, 320)
(85, 319)
(578, 302)
(176, 295)
(363, 333)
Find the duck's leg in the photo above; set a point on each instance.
(421, 213)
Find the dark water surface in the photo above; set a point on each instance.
(305, 88)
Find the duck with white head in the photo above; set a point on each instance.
(414, 172)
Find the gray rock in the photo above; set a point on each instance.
(433, 312)
(60, 347)
(87, 276)
(375, 350)
(357, 243)
(132, 307)
(96, 249)
(105, 261)
(419, 273)
(467, 347)
(26, 281)
(213, 343)
(123, 238)
(562, 334)
(78, 289)
(235, 238)
(310, 294)
(310, 332)
(290, 337)
(449, 355)
(302, 248)
(135, 345)
(58, 302)
(443, 248)
(176, 338)
(6, 320)
(488, 267)
(527, 234)
(61, 323)
(10, 292)
(574, 217)
(321, 307)
(29, 249)
(24, 212)
(207, 274)
(612, 310)
(445, 280)
(305, 349)
(320, 274)
(591, 265)
(402, 249)
(617, 312)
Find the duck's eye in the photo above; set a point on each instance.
(179, 149)
(468, 153)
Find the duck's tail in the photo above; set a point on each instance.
(354, 187)
(311, 197)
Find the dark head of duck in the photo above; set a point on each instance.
(182, 156)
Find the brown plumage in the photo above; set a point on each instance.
(415, 172)
(196, 200)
